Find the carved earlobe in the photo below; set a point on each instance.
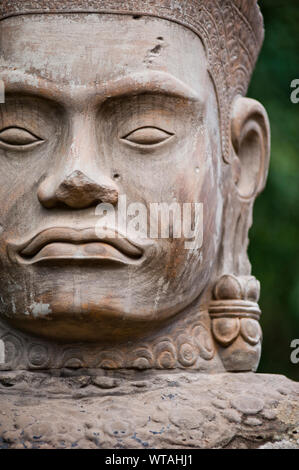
(235, 313)
(251, 146)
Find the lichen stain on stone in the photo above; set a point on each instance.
(40, 309)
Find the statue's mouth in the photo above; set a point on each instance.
(62, 243)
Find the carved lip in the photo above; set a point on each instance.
(78, 244)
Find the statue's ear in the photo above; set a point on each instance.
(251, 146)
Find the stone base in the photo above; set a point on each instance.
(145, 411)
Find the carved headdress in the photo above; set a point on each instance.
(231, 30)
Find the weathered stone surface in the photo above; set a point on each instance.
(183, 410)
(110, 112)
(124, 320)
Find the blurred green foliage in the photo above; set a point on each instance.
(274, 237)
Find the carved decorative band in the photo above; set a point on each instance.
(238, 308)
(190, 345)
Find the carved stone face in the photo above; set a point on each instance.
(97, 107)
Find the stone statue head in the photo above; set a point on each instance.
(114, 111)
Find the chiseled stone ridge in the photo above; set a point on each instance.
(148, 411)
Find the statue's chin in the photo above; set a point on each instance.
(83, 324)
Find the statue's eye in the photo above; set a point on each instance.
(148, 136)
(18, 137)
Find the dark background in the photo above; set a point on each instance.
(274, 237)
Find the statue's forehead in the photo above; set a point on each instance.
(83, 48)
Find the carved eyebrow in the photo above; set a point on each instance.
(152, 81)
